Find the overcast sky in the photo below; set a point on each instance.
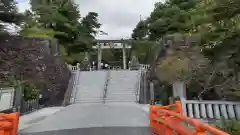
(118, 17)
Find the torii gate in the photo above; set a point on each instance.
(112, 44)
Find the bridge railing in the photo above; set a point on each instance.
(169, 120)
(211, 109)
(30, 106)
(9, 124)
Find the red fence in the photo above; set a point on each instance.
(169, 120)
(164, 120)
(9, 124)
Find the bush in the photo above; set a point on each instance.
(30, 91)
(230, 126)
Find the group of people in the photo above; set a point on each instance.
(94, 66)
(103, 65)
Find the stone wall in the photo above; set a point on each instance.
(38, 61)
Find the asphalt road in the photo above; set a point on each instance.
(98, 131)
(94, 119)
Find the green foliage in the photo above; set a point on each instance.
(144, 50)
(10, 82)
(90, 24)
(30, 91)
(167, 18)
(9, 13)
(230, 126)
(216, 26)
(140, 31)
(38, 32)
(173, 67)
(60, 19)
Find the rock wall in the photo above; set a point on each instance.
(38, 61)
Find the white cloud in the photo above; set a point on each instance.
(118, 17)
(23, 5)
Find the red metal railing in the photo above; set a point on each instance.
(169, 120)
(9, 123)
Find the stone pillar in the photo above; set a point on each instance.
(99, 56)
(78, 66)
(18, 99)
(179, 90)
(124, 55)
(134, 63)
(152, 94)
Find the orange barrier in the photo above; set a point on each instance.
(9, 123)
(169, 120)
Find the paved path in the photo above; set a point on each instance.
(35, 117)
(89, 115)
(94, 119)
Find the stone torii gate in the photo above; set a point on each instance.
(112, 44)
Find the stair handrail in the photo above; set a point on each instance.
(74, 90)
(106, 86)
(138, 85)
(67, 95)
(9, 123)
(169, 120)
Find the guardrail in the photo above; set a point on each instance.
(211, 109)
(29, 106)
(169, 120)
(9, 124)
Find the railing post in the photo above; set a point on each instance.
(106, 86)
(152, 93)
(14, 119)
(151, 109)
(179, 107)
(179, 89)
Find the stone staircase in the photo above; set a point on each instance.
(90, 87)
(122, 86)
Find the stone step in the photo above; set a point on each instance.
(111, 101)
(123, 98)
(113, 88)
(90, 86)
(88, 101)
(121, 92)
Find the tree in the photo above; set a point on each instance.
(215, 26)
(144, 50)
(60, 15)
(87, 31)
(219, 39)
(9, 13)
(140, 31)
(170, 17)
(60, 19)
(90, 24)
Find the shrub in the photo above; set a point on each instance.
(230, 126)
